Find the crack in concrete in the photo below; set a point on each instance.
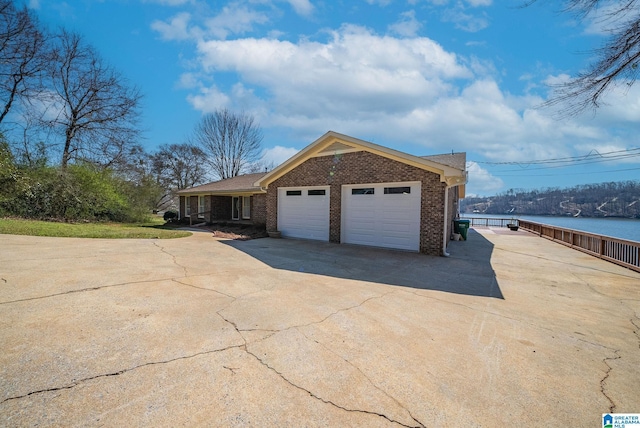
(636, 332)
(371, 382)
(173, 257)
(311, 394)
(612, 407)
(81, 290)
(240, 330)
(273, 332)
(118, 373)
(203, 288)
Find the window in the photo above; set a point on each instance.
(201, 207)
(235, 208)
(294, 192)
(246, 207)
(187, 206)
(397, 190)
(317, 192)
(363, 191)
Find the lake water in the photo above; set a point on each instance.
(617, 227)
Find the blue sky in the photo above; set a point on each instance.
(420, 76)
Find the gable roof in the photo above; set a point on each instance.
(235, 185)
(333, 142)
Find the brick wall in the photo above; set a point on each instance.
(259, 209)
(364, 167)
(220, 208)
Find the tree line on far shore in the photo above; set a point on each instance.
(70, 134)
(613, 199)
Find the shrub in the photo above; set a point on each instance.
(170, 216)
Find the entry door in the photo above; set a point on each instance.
(235, 208)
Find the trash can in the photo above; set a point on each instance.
(461, 227)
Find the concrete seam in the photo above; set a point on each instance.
(565, 263)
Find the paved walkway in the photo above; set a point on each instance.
(510, 330)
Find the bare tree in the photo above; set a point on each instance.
(230, 140)
(179, 166)
(617, 61)
(91, 105)
(23, 55)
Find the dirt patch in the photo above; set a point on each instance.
(240, 232)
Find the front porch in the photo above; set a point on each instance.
(216, 209)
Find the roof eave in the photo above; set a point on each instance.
(233, 192)
(446, 173)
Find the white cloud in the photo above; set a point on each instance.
(175, 29)
(342, 77)
(465, 21)
(472, 3)
(169, 2)
(379, 2)
(277, 155)
(231, 19)
(188, 81)
(478, 3)
(302, 7)
(407, 90)
(481, 181)
(407, 26)
(234, 19)
(209, 99)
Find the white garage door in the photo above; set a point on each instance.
(303, 212)
(382, 215)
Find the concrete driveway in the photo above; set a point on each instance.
(510, 330)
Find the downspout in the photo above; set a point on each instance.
(445, 238)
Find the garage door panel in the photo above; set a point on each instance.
(303, 215)
(382, 219)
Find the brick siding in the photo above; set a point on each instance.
(220, 208)
(259, 209)
(364, 167)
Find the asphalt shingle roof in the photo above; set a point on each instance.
(241, 183)
(454, 160)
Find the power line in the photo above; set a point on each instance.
(574, 164)
(592, 157)
(565, 174)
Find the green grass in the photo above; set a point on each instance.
(154, 229)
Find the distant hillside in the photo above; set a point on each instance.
(620, 199)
